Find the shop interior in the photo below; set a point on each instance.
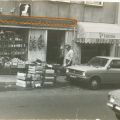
(55, 46)
(13, 47)
(90, 50)
(13, 43)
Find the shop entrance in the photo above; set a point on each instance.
(90, 50)
(55, 43)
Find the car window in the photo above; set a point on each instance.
(115, 64)
(96, 61)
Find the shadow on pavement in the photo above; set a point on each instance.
(103, 87)
(4, 88)
(110, 86)
(60, 82)
(79, 84)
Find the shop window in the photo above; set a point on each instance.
(12, 44)
(13, 50)
(25, 9)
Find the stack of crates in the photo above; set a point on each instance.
(35, 74)
(49, 77)
(22, 80)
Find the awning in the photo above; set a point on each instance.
(88, 32)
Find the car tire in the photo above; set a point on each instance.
(70, 80)
(67, 78)
(118, 116)
(94, 83)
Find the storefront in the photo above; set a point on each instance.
(97, 39)
(25, 38)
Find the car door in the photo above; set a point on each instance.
(113, 73)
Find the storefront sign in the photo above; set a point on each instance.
(91, 40)
(37, 21)
(98, 35)
(107, 36)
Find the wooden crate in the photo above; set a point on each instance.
(21, 76)
(49, 77)
(23, 83)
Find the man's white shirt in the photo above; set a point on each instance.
(69, 56)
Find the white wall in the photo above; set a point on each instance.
(70, 37)
(118, 22)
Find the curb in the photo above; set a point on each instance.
(7, 83)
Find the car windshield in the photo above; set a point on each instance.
(97, 61)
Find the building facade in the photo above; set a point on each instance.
(40, 29)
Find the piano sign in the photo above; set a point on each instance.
(25, 9)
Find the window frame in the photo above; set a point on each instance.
(113, 66)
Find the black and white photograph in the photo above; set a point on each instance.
(60, 59)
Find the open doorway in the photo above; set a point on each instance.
(55, 42)
(91, 50)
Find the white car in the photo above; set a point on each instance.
(99, 70)
(114, 102)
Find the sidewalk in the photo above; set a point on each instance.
(12, 79)
(8, 83)
(7, 78)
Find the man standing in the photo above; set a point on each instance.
(69, 56)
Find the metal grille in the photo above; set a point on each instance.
(76, 71)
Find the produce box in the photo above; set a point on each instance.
(36, 84)
(34, 69)
(21, 76)
(14, 65)
(29, 75)
(49, 77)
(31, 71)
(23, 83)
(50, 71)
(39, 68)
(36, 77)
(21, 65)
(48, 83)
(49, 74)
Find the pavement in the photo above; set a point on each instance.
(8, 79)
(11, 79)
(8, 83)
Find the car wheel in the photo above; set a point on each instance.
(94, 83)
(67, 78)
(117, 116)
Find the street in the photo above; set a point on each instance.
(63, 101)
